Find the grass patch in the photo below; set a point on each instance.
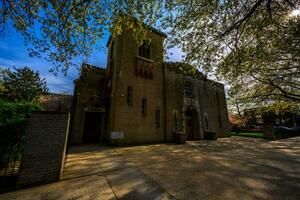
(246, 134)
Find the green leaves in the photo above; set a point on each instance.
(243, 43)
(252, 45)
(59, 30)
(16, 112)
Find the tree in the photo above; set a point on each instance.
(61, 30)
(267, 72)
(2, 88)
(22, 84)
(252, 45)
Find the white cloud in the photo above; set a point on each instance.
(59, 84)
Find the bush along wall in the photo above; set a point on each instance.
(13, 117)
(16, 112)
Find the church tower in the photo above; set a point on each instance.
(135, 80)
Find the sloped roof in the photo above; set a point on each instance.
(184, 68)
(147, 26)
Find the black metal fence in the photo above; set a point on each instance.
(12, 139)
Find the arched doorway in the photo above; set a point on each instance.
(191, 123)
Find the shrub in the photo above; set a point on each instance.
(16, 112)
(13, 116)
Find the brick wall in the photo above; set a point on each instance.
(137, 128)
(45, 148)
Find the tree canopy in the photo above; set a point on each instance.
(60, 30)
(251, 44)
(22, 84)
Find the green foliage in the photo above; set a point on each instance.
(252, 45)
(71, 28)
(13, 117)
(246, 134)
(15, 112)
(22, 84)
(2, 89)
(280, 107)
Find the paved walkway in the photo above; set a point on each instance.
(230, 168)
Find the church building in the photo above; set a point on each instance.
(140, 99)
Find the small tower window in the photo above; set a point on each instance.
(144, 50)
(157, 118)
(175, 121)
(206, 121)
(144, 107)
(188, 89)
(129, 95)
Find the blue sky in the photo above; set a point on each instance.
(13, 52)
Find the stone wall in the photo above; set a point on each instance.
(45, 148)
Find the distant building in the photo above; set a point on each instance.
(254, 118)
(140, 99)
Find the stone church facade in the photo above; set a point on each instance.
(140, 99)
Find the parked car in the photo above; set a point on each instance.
(284, 132)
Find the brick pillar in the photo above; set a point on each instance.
(268, 126)
(45, 148)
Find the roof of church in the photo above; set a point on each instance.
(189, 71)
(151, 28)
(88, 67)
(184, 68)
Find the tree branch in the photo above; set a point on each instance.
(239, 22)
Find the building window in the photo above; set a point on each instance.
(144, 107)
(219, 110)
(129, 95)
(157, 118)
(144, 50)
(175, 121)
(206, 121)
(188, 89)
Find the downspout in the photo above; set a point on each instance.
(116, 59)
(164, 101)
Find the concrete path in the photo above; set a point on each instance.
(230, 168)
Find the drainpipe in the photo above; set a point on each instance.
(164, 101)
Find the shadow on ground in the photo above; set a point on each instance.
(229, 168)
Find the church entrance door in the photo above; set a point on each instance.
(92, 127)
(189, 128)
(191, 120)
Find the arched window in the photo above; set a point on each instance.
(157, 118)
(206, 121)
(144, 107)
(144, 50)
(188, 89)
(175, 120)
(129, 95)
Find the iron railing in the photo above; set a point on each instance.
(12, 139)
